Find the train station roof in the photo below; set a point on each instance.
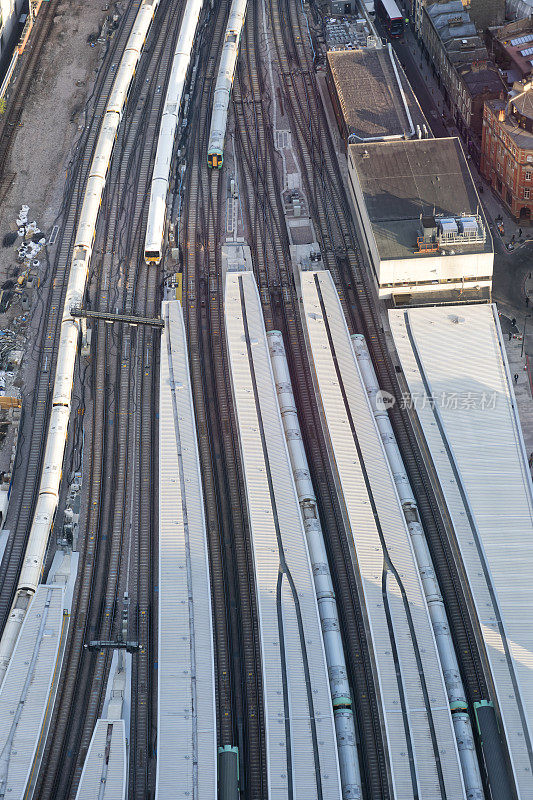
(460, 388)
(105, 768)
(186, 748)
(373, 93)
(401, 636)
(297, 700)
(25, 691)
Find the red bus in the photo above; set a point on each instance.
(390, 16)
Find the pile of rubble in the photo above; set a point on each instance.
(21, 280)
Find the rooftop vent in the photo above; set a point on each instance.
(463, 230)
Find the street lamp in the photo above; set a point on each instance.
(524, 334)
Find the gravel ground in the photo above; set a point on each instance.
(42, 146)
(36, 168)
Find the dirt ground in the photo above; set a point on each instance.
(40, 153)
(35, 174)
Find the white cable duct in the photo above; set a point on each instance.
(226, 72)
(327, 606)
(61, 397)
(155, 226)
(437, 612)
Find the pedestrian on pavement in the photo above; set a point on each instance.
(516, 377)
(527, 301)
(519, 233)
(510, 335)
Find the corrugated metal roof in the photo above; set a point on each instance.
(104, 771)
(186, 749)
(462, 360)
(296, 696)
(24, 695)
(401, 635)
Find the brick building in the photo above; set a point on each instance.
(461, 64)
(512, 48)
(507, 150)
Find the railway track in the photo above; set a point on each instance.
(25, 73)
(117, 551)
(49, 304)
(339, 242)
(254, 137)
(331, 213)
(239, 688)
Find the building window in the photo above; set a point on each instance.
(527, 193)
(528, 175)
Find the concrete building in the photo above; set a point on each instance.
(422, 222)
(462, 66)
(371, 96)
(507, 150)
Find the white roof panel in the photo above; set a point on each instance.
(187, 713)
(26, 688)
(455, 357)
(401, 634)
(522, 40)
(104, 770)
(296, 696)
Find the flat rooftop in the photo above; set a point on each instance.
(369, 93)
(404, 180)
(461, 390)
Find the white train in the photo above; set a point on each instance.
(155, 227)
(226, 71)
(68, 345)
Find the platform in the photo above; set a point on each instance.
(460, 387)
(187, 747)
(417, 726)
(300, 734)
